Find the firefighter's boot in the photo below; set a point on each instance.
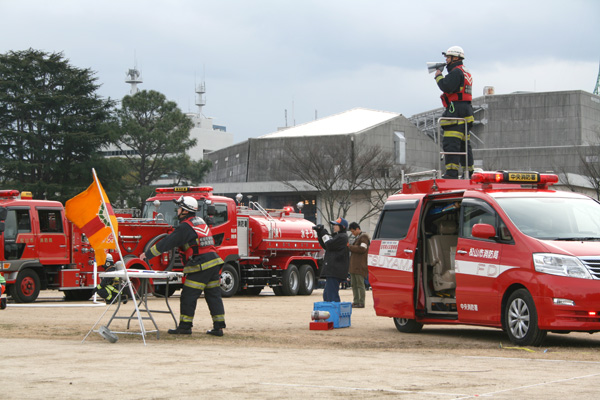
(182, 329)
(217, 329)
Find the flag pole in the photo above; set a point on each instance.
(127, 280)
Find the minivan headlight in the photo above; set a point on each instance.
(558, 264)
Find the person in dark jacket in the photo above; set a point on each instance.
(202, 267)
(458, 88)
(337, 257)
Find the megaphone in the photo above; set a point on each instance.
(432, 66)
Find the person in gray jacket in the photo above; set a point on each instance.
(337, 257)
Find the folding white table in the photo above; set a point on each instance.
(145, 277)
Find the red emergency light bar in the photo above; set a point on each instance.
(187, 189)
(9, 194)
(533, 178)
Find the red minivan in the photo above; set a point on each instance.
(500, 250)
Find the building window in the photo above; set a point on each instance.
(400, 147)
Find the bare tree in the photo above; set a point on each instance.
(337, 167)
(590, 165)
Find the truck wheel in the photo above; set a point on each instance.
(230, 281)
(521, 321)
(252, 291)
(78, 295)
(278, 290)
(290, 281)
(27, 286)
(307, 280)
(161, 290)
(405, 325)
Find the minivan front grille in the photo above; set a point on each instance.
(593, 265)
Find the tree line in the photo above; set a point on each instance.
(54, 128)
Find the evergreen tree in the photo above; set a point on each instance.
(51, 124)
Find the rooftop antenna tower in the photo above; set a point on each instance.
(597, 88)
(133, 78)
(200, 99)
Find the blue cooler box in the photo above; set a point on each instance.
(339, 313)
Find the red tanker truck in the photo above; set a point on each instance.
(275, 248)
(40, 249)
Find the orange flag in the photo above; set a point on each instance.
(94, 217)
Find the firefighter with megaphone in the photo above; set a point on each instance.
(457, 88)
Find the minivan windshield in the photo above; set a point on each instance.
(554, 218)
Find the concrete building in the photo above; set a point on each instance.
(530, 131)
(258, 167)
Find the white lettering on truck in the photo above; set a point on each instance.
(399, 264)
(481, 269)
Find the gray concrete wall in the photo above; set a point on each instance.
(537, 131)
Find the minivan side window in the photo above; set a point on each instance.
(479, 212)
(395, 220)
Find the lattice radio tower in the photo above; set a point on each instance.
(597, 88)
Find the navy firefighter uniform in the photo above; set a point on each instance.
(202, 267)
(457, 88)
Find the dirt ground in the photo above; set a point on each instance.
(268, 352)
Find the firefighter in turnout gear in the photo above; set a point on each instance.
(202, 267)
(457, 86)
(108, 288)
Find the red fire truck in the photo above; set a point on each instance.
(40, 249)
(276, 248)
(500, 250)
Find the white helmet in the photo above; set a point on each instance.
(187, 203)
(455, 51)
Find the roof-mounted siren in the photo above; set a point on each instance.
(134, 77)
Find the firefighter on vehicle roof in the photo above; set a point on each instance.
(458, 88)
(202, 267)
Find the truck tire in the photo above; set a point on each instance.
(521, 321)
(78, 295)
(161, 290)
(252, 291)
(290, 281)
(405, 325)
(230, 281)
(27, 286)
(307, 280)
(278, 290)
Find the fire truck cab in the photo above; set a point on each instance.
(499, 250)
(36, 249)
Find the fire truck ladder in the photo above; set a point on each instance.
(465, 154)
(264, 212)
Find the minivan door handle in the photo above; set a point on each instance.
(408, 251)
(462, 252)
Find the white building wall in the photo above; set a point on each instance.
(208, 138)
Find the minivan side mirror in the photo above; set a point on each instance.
(483, 231)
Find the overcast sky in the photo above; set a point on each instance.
(260, 58)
